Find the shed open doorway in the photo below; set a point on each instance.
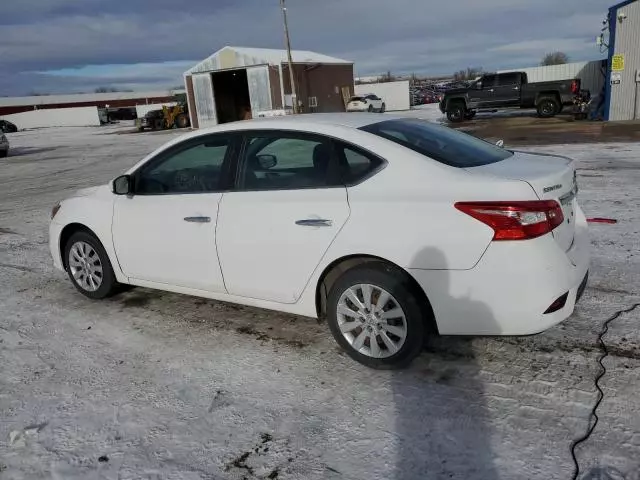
(231, 93)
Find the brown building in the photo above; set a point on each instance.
(222, 87)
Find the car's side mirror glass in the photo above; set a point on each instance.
(122, 185)
(267, 161)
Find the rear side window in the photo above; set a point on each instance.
(508, 79)
(356, 165)
(442, 144)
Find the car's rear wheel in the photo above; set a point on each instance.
(548, 107)
(374, 314)
(370, 108)
(89, 267)
(383, 108)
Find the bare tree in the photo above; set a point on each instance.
(469, 74)
(387, 77)
(555, 58)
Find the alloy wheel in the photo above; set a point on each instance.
(371, 320)
(85, 266)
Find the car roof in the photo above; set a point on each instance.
(309, 120)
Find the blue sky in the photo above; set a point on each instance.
(60, 46)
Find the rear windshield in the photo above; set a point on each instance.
(442, 144)
(356, 99)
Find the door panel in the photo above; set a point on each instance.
(271, 242)
(507, 90)
(289, 206)
(166, 231)
(483, 98)
(169, 239)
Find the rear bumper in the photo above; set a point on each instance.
(511, 287)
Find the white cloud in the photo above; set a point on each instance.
(400, 35)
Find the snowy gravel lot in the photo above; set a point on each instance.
(152, 385)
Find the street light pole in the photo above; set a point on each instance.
(294, 96)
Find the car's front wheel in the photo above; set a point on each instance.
(375, 315)
(456, 112)
(89, 267)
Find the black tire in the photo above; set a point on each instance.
(158, 124)
(383, 108)
(456, 112)
(182, 121)
(370, 108)
(397, 283)
(4, 153)
(548, 107)
(109, 285)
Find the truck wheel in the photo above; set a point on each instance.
(548, 107)
(182, 121)
(456, 112)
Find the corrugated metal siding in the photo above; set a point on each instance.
(625, 101)
(205, 102)
(259, 89)
(589, 73)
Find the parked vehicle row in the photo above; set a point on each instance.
(509, 90)
(390, 228)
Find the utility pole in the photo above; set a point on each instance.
(294, 96)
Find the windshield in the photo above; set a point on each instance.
(440, 143)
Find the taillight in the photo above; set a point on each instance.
(575, 87)
(516, 220)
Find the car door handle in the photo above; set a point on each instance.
(197, 219)
(314, 222)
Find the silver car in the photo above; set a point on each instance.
(4, 146)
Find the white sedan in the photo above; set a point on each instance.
(390, 228)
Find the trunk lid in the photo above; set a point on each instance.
(551, 177)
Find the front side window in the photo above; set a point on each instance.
(488, 81)
(192, 168)
(440, 143)
(287, 161)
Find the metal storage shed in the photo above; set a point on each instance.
(622, 96)
(233, 78)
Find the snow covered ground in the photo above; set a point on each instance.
(150, 385)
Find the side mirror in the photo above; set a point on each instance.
(500, 143)
(122, 185)
(267, 161)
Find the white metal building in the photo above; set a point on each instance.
(237, 78)
(623, 73)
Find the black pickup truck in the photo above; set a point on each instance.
(508, 90)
